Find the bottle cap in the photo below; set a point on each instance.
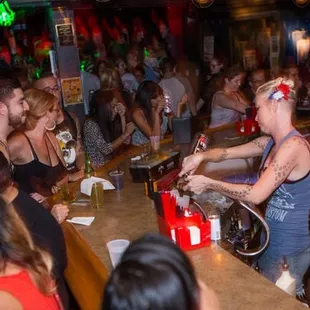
(285, 265)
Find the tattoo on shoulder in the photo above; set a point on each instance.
(261, 143)
(244, 193)
(300, 141)
(223, 155)
(281, 171)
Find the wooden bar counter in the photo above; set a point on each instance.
(128, 214)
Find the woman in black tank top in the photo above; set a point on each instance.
(34, 151)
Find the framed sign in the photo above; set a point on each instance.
(72, 92)
(275, 45)
(208, 48)
(249, 60)
(65, 34)
(274, 53)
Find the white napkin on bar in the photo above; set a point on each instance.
(82, 220)
(87, 184)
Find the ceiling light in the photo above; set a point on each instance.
(203, 3)
(301, 3)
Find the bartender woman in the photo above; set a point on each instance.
(284, 180)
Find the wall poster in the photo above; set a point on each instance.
(72, 92)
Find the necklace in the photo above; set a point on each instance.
(4, 145)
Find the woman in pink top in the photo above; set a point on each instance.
(25, 271)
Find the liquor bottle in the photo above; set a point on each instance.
(200, 143)
(89, 171)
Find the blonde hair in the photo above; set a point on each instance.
(40, 102)
(17, 247)
(110, 79)
(268, 88)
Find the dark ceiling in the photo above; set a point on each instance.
(218, 5)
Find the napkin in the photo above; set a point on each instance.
(87, 184)
(83, 220)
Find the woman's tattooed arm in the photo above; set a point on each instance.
(235, 191)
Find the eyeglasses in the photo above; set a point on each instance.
(52, 90)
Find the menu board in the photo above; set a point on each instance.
(65, 34)
(72, 91)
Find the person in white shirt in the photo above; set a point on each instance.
(173, 87)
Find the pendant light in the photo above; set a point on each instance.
(301, 3)
(202, 3)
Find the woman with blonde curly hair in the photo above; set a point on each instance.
(34, 150)
(25, 270)
(284, 180)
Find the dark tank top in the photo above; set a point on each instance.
(36, 177)
(287, 212)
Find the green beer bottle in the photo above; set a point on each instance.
(89, 171)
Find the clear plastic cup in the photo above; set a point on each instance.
(155, 142)
(117, 179)
(96, 198)
(116, 249)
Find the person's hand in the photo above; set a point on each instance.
(196, 184)
(161, 103)
(130, 127)
(184, 99)
(55, 189)
(60, 212)
(39, 198)
(208, 299)
(191, 163)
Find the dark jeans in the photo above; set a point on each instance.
(298, 266)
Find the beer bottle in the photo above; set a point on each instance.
(89, 171)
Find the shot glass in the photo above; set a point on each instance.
(116, 249)
(96, 198)
(117, 179)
